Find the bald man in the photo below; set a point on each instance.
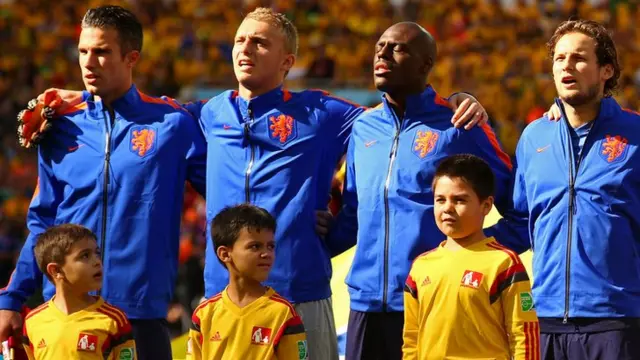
(388, 202)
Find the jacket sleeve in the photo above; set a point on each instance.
(194, 108)
(410, 330)
(291, 341)
(196, 157)
(27, 277)
(512, 229)
(520, 318)
(343, 113)
(520, 202)
(344, 232)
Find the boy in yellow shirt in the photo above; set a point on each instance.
(470, 297)
(246, 320)
(74, 324)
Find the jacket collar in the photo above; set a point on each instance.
(262, 103)
(609, 108)
(125, 103)
(417, 104)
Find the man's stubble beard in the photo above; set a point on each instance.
(581, 99)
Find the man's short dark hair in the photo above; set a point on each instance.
(55, 243)
(470, 169)
(122, 20)
(226, 226)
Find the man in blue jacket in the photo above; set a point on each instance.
(388, 203)
(118, 165)
(578, 181)
(278, 149)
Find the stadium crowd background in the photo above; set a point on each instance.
(493, 49)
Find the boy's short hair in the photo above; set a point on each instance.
(281, 22)
(471, 169)
(55, 243)
(226, 226)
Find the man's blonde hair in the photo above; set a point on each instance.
(281, 22)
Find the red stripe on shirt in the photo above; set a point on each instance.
(152, 100)
(536, 341)
(528, 348)
(439, 100)
(496, 145)
(282, 300)
(194, 316)
(326, 93)
(10, 279)
(505, 275)
(512, 255)
(36, 310)
(73, 109)
(291, 322)
(631, 111)
(118, 314)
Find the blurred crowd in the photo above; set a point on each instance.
(494, 49)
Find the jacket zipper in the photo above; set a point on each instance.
(108, 121)
(573, 174)
(392, 158)
(251, 158)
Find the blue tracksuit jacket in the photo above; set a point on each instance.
(584, 215)
(388, 202)
(123, 177)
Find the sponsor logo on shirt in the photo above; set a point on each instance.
(526, 302)
(216, 337)
(471, 279)
(426, 281)
(87, 342)
(126, 354)
(303, 350)
(42, 344)
(260, 335)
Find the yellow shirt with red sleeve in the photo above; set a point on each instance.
(470, 303)
(101, 331)
(268, 328)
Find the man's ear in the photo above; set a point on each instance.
(132, 58)
(607, 72)
(288, 63)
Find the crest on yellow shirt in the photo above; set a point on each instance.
(143, 140)
(261, 335)
(471, 279)
(87, 342)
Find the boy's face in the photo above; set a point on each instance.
(457, 208)
(82, 269)
(252, 255)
